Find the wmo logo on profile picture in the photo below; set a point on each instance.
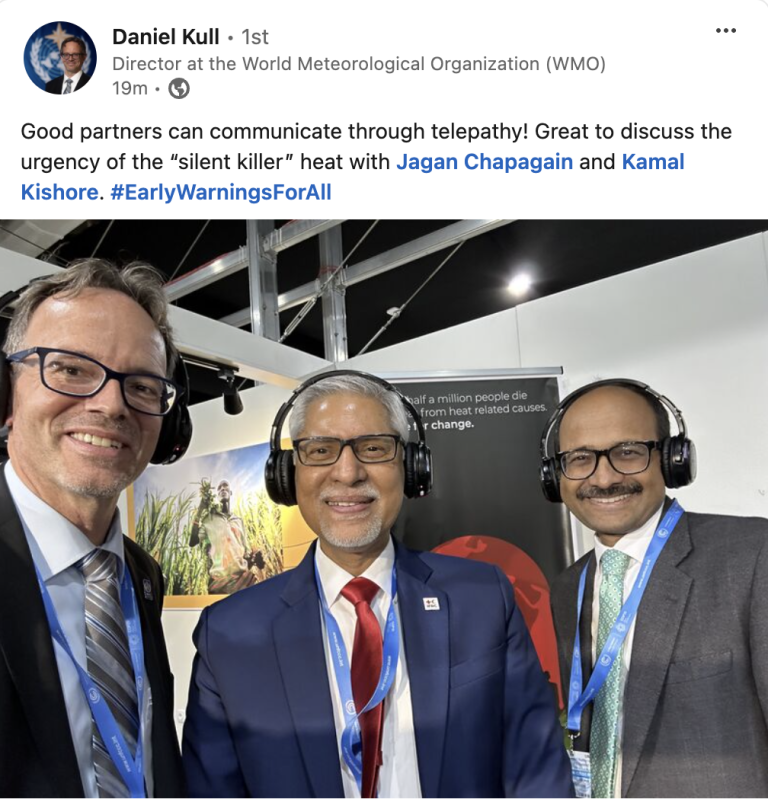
(41, 53)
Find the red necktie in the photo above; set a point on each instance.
(366, 669)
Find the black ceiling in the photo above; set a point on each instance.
(558, 255)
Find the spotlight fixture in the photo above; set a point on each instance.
(227, 375)
(520, 284)
(233, 404)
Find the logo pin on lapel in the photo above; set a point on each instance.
(147, 589)
(431, 604)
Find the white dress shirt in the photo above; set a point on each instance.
(399, 772)
(635, 545)
(75, 80)
(56, 546)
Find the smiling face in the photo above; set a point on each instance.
(610, 503)
(68, 449)
(72, 58)
(350, 504)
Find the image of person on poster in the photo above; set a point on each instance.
(231, 566)
(429, 652)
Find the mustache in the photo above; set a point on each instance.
(623, 489)
(367, 491)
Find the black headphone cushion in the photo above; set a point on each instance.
(550, 484)
(285, 472)
(175, 436)
(418, 470)
(678, 461)
(409, 485)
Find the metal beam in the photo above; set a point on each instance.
(334, 307)
(295, 232)
(219, 268)
(262, 281)
(395, 257)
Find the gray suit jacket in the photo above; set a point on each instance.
(696, 698)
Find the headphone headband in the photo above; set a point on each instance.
(279, 471)
(678, 453)
(277, 426)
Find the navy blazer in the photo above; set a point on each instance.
(260, 717)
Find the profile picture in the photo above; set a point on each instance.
(60, 58)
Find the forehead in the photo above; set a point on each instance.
(607, 416)
(346, 414)
(105, 324)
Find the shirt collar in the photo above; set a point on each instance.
(55, 543)
(75, 79)
(334, 578)
(634, 544)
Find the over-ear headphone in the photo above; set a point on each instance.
(678, 453)
(176, 431)
(280, 472)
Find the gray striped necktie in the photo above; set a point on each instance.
(68, 88)
(109, 664)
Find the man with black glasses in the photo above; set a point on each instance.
(668, 671)
(72, 55)
(87, 394)
(369, 670)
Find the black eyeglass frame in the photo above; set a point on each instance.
(344, 443)
(176, 389)
(76, 55)
(651, 445)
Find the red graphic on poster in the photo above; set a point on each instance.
(531, 592)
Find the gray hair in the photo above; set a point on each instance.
(343, 384)
(140, 281)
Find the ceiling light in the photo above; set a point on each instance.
(520, 284)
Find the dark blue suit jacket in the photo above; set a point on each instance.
(260, 719)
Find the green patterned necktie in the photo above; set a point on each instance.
(604, 734)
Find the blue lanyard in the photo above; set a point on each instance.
(131, 769)
(351, 749)
(577, 700)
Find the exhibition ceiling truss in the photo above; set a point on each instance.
(335, 276)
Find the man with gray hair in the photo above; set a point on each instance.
(86, 692)
(370, 670)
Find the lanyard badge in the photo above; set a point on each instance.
(351, 738)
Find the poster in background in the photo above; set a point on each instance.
(212, 528)
(486, 503)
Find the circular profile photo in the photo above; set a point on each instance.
(60, 58)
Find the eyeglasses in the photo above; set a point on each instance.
(77, 375)
(76, 55)
(625, 458)
(369, 449)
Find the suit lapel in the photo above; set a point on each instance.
(299, 644)
(27, 647)
(568, 633)
(657, 626)
(426, 645)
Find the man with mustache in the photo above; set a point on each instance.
(668, 672)
(430, 650)
(86, 693)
